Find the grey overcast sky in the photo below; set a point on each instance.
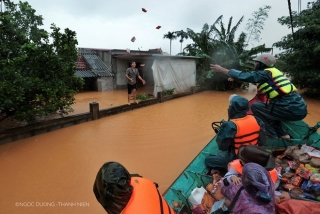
(110, 24)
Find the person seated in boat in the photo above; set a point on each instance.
(284, 103)
(240, 129)
(256, 191)
(120, 192)
(250, 154)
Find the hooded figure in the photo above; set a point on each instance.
(240, 129)
(118, 191)
(112, 187)
(257, 195)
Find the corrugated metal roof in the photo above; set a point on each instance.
(103, 74)
(85, 73)
(175, 56)
(152, 56)
(96, 64)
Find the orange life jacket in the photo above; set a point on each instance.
(238, 167)
(146, 198)
(247, 131)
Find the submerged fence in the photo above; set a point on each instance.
(18, 133)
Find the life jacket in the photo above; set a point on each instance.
(236, 165)
(278, 85)
(146, 198)
(247, 131)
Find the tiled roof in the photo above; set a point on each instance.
(85, 73)
(96, 64)
(91, 65)
(81, 64)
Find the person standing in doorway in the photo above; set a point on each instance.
(131, 74)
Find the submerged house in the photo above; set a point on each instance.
(104, 69)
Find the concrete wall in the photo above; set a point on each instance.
(104, 84)
(120, 72)
(14, 134)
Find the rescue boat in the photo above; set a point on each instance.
(196, 174)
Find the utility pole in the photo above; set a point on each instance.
(290, 11)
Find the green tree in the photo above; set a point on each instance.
(218, 45)
(36, 67)
(171, 36)
(227, 52)
(183, 35)
(301, 55)
(256, 22)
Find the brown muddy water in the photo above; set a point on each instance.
(54, 172)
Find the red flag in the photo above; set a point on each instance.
(144, 10)
(133, 39)
(158, 27)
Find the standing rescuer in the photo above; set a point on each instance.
(284, 103)
(119, 192)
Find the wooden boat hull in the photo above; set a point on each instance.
(195, 174)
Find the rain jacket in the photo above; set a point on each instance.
(291, 103)
(238, 109)
(119, 192)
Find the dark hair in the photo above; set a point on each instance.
(132, 62)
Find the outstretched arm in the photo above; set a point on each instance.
(144, 82)
(219, 68)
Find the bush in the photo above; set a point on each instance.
(142, 97)
(167, 92)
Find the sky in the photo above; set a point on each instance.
(110, 24)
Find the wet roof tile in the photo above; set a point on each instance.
(85, 73)
(96, 64)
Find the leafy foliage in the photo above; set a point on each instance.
(217, 45)
(142, 96)
(302, 49)
(171, 36)
(183, 35)
(167, 92)
(37, 76)
(256, 22)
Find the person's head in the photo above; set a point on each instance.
(264, 61)
(257, 182)
(238, 106)
(256, 154)
(112, 187)
(133, 64)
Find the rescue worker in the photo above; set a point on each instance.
(284, 102)
(240, 129)
(121, 193)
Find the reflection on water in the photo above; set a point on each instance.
(156, 141)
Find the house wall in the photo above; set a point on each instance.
(104, 84)
(120, 72)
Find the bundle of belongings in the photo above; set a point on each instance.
(300, 171)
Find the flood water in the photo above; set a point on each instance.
(54, 172)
